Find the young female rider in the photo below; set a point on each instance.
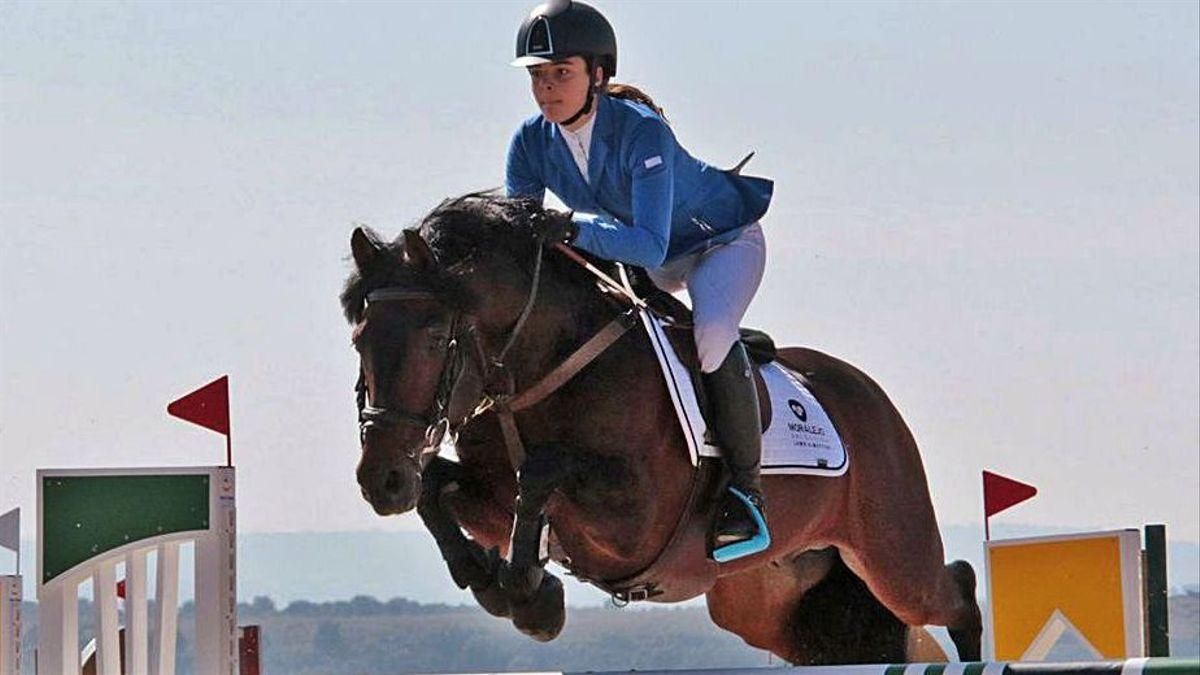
(639, 198)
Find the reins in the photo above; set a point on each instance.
(526, 310)
(613, 285)
(506, 402)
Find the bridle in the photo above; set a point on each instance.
(436, 421)
(499, 392)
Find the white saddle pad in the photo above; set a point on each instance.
(800, 438)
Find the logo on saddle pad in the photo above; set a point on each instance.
(804, 427)
(798, 409)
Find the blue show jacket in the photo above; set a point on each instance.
(648, 200)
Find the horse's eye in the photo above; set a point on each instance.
(438, 340)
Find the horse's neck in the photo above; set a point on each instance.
(564, 318)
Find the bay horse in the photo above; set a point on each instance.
(468, 325)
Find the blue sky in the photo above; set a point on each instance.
(991, 208)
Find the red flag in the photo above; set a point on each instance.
(208, 406)
(121, 589)
(999, 493)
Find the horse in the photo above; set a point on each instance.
(469, 328)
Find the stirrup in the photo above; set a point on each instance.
(756, 544)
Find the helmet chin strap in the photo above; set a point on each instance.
(587, 104)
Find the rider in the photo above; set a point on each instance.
(639, 198)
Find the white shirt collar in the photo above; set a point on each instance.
(579, 142)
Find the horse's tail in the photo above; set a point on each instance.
(838, 621)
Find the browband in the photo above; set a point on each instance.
(393, 293)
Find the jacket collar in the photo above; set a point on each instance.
(602, 133)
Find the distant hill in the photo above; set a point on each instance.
(368, 637)
(334, 566)
(327, 566)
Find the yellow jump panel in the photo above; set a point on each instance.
(1041, 588)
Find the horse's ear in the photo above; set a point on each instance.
(417, 251)
(366, 248)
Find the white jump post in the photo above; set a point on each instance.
(92, 520)
(10, 624)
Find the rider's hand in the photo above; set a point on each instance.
(550, 226)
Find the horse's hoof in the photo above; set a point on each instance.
(543, 617)
(521, 582)
(493, 600)
(967, 635)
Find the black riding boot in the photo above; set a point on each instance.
(733, 402)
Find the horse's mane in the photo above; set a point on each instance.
(458, 231)
(481, 222)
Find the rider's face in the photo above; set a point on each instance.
(560, 88)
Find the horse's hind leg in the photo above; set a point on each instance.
(966, 637)
(758, 604)
(921, 591)
(839, 621)
(809, 609)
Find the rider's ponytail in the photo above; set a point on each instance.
(632, 93)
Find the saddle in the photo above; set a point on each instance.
(677, 319)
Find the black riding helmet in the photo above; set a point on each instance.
(563, 28)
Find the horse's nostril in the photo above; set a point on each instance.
(392, 484)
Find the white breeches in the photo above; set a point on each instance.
(721, 282)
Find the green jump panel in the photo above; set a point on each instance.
(86, 516)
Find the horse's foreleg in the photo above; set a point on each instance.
(470, 565)
(536, 595)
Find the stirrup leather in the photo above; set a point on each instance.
(756, 544)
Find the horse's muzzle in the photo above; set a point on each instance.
(389, 491)
(390, 481)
